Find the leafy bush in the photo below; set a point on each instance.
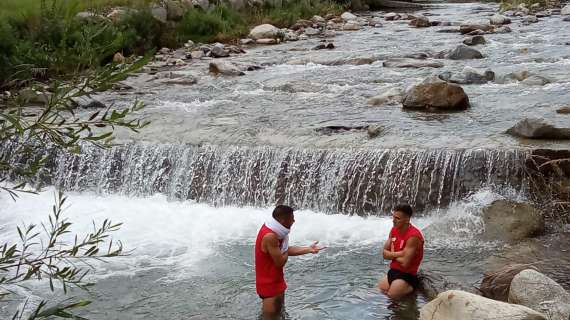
(213, 25)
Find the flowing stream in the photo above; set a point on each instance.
(194, 187)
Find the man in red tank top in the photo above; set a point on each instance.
(271, 254)
(405, 247)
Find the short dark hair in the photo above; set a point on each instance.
(404, 208)
(282, 212)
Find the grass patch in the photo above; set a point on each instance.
(18, 8)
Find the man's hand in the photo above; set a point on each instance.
(315, 249)
(297, 251)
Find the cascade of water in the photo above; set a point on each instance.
(351, 181)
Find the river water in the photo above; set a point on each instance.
(194, 187)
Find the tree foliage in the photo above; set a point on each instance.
(49, 251)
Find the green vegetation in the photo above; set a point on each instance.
(47, 250)
(43, 39)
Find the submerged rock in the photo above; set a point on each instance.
(475, 40)
(436, 95)
(225, 68)
(467, 28)
(411, 63)
(533, 289)
(463, 52)
(391, 96)
(538, 129)
(461, 305)
(470, 75)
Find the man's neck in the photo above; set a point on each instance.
(404, 228)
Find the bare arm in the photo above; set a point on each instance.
(388, 252)
(271, 244)
(297, 251)
(409, 251)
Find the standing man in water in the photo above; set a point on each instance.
(271, 253)
(405, 247)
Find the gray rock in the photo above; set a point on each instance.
(509, 220)
(503, 29)
(475, 40)
(535, 80)
(420, 22)
(197, 54)
(463, 52)
(264, 31)
(225, 68)
(34, 97)
(351, 26)
(496, 284)
(436, 96)
(538, 129)
(87, 103)
(532, 289)
(391, 96)
(467, 28)
(498, 19)
(312, 31)
(431, 284)
(375, 131)
(347, 16)
(566, 10)
(318, 19)
(159, 13)
(411, 63)
(375, 22)
(455, 305)
(175, 10)
(471, 75)
(219, 51)
(529, 19)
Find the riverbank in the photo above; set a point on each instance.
(59, 39)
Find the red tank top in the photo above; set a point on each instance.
(399, 242)
(269, 279)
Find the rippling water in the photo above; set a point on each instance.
(285, 103)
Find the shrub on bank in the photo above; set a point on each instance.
(53, 42)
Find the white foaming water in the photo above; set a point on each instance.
(180, 234)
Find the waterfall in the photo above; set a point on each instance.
(349, 181)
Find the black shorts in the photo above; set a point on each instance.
(409, 278)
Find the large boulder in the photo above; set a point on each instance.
(538, 129)
(264, 31)
(461, 305)
(225, 68)
(540, 293)
(510, 220)
(462, 52)
(438, 95)
(496, 285)
(566, 10)
(411, 63)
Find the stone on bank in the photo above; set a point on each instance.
(461, 305)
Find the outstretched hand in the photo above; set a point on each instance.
(315, 248)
